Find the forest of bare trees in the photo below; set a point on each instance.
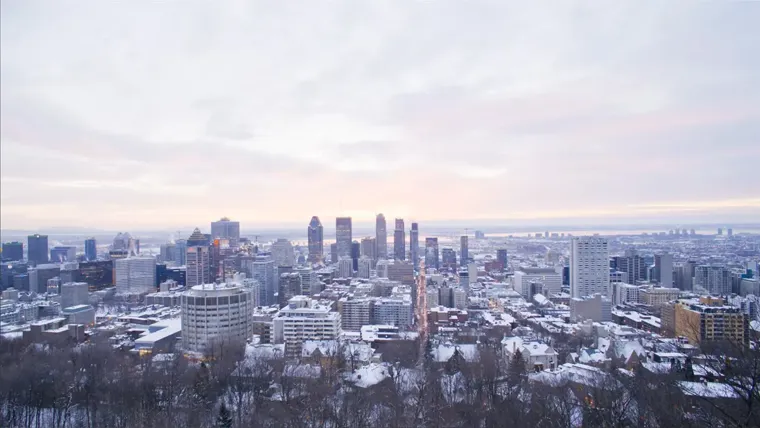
(94, 385)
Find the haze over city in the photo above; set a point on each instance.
(119, 116)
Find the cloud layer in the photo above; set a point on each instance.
(151, 115)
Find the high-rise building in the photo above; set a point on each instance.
(282, 253)
(394, 311)
(304, 319)
(449, 259)
(345, 267)
(414, 245)
(712, 279)
(355, 254)
(226, 229)
(381, 237)
(334, 252)
(289, 286)
(168, 252)
(684, 275)
(216, 315)
(12, 251)
(464, 250)
(310, 284)
(365, 266)
(343, 238)
(63, 253)
(198, 266)
(402, 272)
(632, 264)
(431, 253)
(663, 269)
(502, 258)
(315, 235)
(709, 320)
(368, 248)
(589, 266)
(39, 276)
(90, 249)
(263, 271)
(525, 276)
(399, 240)
(74, 293)
(180, 252)
(37, 249)
(355, 312)
(135, 275)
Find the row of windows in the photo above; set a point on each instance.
(215, 301)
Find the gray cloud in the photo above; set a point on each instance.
(271, 110)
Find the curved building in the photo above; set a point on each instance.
(216, 313)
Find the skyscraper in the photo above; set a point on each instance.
(90, 249)
(135, 275)
(226, 229)
(315, 234)
(502, 258)
(399, 240)
(264, 273)
(282, 252)
(464, 250)
(381, 237)
(334, 252)
(449, 259)
(12, 251)
(414, 245)
(663, 269)
(37, 248)
(198, 266)
(431, 253)
(589, 266)
(368, 248)
(343, 236)
(355, 252)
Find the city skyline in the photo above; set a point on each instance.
(517, 119)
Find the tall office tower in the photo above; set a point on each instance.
(399, 240)
(198, 239)
(216, 315)
(414, 245)
(37, 248)
(167, 252)
(198, 266)
(355, 253)
(368, 248)
(315, 234)
(39, 276)
(502, 258)
(12, 251)
(365, 266)
(135, 275)
(431, 253)
(289, 286)
(343, 236)
(63, 253)
(712, 279)
(345, 267)
(226, 229)
(464, 250)
(381, 237)
(589, 266)
(633, 265)
(74, 293)
(90, 249)
(663, 269)
(180, 252)
(282, 253)
(685, 275)
(264, 273)
(449, 259)
(334, 252)
(720, 231)
(310, 284)
(730, 232)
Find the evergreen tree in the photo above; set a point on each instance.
(224, 420)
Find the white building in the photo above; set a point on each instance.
(589, 266)
(263, 271)
(304, 319)
(345, 267)
(432, 298)
(282, 253)
(135, 275)
(522, 279)
(396, 312)
(355, 312)
(459, 298)
(309, 281)
(74, 293)
(198, 266)
(626, 293)
(216, 313)
(597, 308)
(365, 266)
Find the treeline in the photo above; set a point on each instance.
(94, 385)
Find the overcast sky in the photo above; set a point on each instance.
(153, 114)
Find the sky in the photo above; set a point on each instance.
(152, 114)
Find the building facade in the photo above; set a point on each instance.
(135, 275)
(37, 249)
(414, 245)
(198, 265)
(431, 253)
(589, 266)
(343, 231)
(214, 314)
(226, 229)
(316, 238)
(399, 240)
